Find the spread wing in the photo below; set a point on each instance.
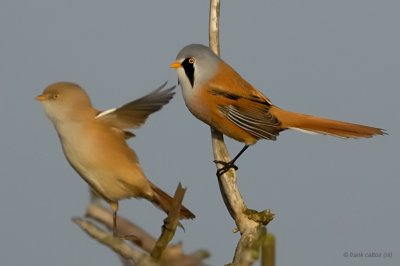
(135, 113)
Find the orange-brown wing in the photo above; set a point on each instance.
(234, 84)
(251, 116)
(243, 105)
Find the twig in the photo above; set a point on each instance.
(268, 251)
(213, 32)
(170, 223)
(116, 244)
(249, 222)
(173, 254)
(99, 213)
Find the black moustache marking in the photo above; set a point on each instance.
(189, 70)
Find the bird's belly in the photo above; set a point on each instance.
(100, 168)
(105, 180)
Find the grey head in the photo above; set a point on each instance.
(198, 65)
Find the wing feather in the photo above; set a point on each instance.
(135, 113)
(256, 121)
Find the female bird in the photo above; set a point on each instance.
(94, 143)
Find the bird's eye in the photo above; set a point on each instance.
(191, 60)
(55, 96)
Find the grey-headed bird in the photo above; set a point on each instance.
(217, 95)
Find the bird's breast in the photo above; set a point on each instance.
(104, 160)
(199, 103)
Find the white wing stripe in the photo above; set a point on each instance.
(106, 112)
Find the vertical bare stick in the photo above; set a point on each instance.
(213, 32)
(249, 223)
(227, 182)
(268, 251)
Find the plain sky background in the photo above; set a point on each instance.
(333, 58)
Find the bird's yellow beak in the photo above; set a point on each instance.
(41, 97)
(176, 64)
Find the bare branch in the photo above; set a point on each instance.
(268, 251)
(116, 244)
(214, 26)
(125, 227)
(249, 222)
(172, 255)
(170, 223)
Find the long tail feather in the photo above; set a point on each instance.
(163, 201)
(319, 125)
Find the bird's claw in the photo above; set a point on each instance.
(226, 167)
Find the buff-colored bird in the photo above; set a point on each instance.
(94, 143)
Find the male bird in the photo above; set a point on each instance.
(94, 143)
(217, 95)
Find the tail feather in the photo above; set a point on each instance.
(319, 125)
(163, 201)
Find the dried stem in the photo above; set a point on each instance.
(170, 224)
(118, 245)
(249, 223)
(102, 215)
(172, 255)
(268, 251)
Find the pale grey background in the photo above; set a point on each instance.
(332, 58)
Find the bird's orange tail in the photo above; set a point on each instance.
(313, 124)
(163, 201)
